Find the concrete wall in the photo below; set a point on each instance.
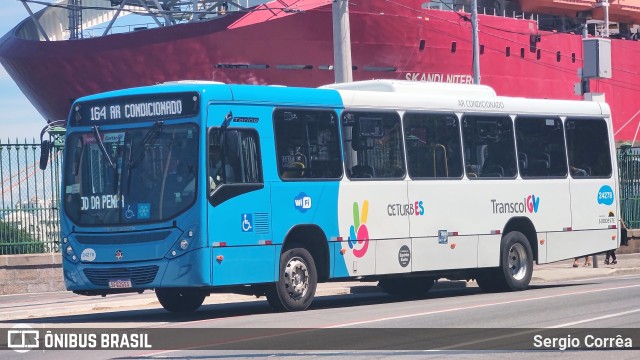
(634, 243)
(30, 273)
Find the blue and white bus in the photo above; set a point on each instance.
(191, 188)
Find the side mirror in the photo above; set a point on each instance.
(45, 149)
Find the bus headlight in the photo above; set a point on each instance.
(69, 253)
(185, 242)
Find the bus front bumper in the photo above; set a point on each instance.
(192, 269)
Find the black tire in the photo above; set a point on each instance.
(488, 280)
(180, 300)
(516, 261)
(297, 281)
(409, 287)
(516, 266)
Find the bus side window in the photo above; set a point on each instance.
(242, 163)
(362, 171)
(433, 145)
(588, 147)
(372, 144)
(540, 158)
(293, 165)
(307, 144)
(489, 149)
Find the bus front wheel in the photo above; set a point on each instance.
(297, 281)
(180, 300)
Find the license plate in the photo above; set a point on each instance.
(120, 284)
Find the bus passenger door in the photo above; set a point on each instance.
(239, 209)
(441, 234)
(373, 210)
(374, 225)
(440, 238)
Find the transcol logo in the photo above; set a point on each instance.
(530, 204)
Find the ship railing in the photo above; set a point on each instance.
(118, 29)
(178, 14)
(438, 5)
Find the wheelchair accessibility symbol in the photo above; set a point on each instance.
(129, 213)
(247, 222)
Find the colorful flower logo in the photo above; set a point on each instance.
(359, 234)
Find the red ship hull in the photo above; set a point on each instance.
(295, 48)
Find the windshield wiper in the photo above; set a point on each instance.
(96, 133)
(149, 139)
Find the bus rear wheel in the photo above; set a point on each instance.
(517, 261)
(297, 281)
(516, 266)
(409, 287)
(180, 300)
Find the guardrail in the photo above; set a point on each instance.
(629, 177)
(29, 198)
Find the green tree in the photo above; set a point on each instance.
(17, 241)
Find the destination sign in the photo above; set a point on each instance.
(135, 108)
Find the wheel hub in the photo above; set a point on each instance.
(518, 261)
(296, 276)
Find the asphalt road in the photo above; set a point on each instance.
(607, 302)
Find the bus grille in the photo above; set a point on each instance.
(139, 275)
(128, 238)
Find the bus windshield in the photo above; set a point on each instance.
(130, 176)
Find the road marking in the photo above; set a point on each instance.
(198, 346)
(594, 319)
(534, 331)
(152, 354)
(474, 307)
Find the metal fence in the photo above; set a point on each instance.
(629, 173)
(29, 210)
